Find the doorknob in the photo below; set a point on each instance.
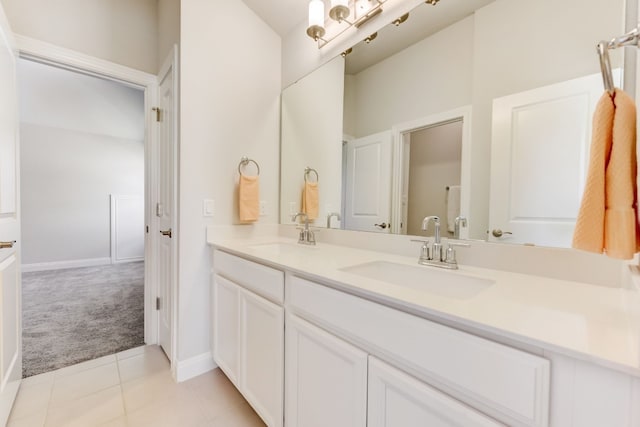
(7, 245)
(499, 233)
(383, 225)
(166, 232)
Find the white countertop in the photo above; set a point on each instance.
(589, 322)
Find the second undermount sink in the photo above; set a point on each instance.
(427, 279)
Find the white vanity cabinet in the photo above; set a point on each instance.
(483, 377)
(248, 331)
(326, 379)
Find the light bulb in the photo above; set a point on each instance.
(316, 13)
(316, 19)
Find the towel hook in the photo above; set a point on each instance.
(309, 170)
(605, 66)
(244, 161)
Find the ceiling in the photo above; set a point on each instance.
(281, 15)
(285, 15)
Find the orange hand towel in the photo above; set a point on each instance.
(249, 198)
(310, 200)
(608, 219)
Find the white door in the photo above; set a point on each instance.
(399, 400)
(226, 327)
(539, 158)
(368, 183)
(262, 356)
(10, 283)
(166, 202)
(326, 378)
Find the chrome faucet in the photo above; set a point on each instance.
(332, 214)
(434, 256)
(436, 248)
(307, 237)
(458, 222)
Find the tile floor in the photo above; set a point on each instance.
(129, 389)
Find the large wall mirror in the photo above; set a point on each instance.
(471, 109)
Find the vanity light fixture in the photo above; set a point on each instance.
(346, 52)
(342, 15)
(371, 38)
(432, 2)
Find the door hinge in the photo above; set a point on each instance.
(147, 229)
(157, 303)
(158, 112)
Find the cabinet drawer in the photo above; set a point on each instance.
(264, 281)
(399, 400)
(505, 382)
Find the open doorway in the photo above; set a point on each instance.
(83, 216)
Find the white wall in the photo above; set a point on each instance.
(74, 154)
(168, 27)
(230, 107)
(429, 77)
(121, 31)
(434, 164)
(312, 136)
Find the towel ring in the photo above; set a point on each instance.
(244, 162)
(307, 171)
(605, 66)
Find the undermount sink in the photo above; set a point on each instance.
(444, 283)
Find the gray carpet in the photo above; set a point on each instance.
(79, 314)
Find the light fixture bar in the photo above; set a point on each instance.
(335, 22)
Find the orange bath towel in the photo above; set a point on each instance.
(310, 200)
(249, 198)
(608, 218)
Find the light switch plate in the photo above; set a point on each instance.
(292, 208)
(263, 207)
(208, 207)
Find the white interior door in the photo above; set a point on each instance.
(368, 183)
(166, 204)
(10, 283)
(539, 158)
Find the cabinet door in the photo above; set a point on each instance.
(326, 378)
(399, 400)
(262, 356)
(226, 326)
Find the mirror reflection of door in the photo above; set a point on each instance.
(368, 183)
(431, 176)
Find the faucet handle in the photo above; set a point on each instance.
(458, 244)
(425, 251)
(450, 256)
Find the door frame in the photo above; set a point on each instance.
(399, 131)
(60, 57)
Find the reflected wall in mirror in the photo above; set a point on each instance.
(477, 63)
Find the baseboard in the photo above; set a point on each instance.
(59, 265)
(125, 260)
(194, 366)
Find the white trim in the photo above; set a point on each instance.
(115, 257)
(194, 366)
(62, 57)
(398, 130)
(61, 265)
(66, 58)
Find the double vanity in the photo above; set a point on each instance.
(330, 335)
